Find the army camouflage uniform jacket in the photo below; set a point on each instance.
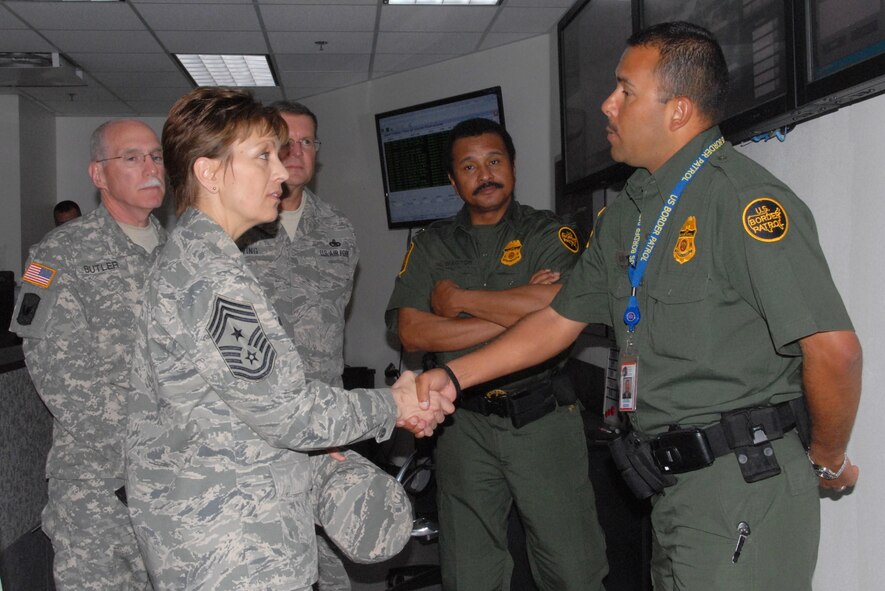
(218, 498)
(77, 311)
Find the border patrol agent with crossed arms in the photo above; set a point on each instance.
(519, 439)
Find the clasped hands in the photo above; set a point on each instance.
(420, 414)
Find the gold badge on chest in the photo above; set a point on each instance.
(685, 247)
(512, 253)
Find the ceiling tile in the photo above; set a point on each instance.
(138, 79)
(336, 42)
(94, 16)
(318, 18)
(397, 62)
(9, 20)
(196, 17)
(124, 62)
(526, 20)
(234, 42)
(104, 41)
(17, 40)
(496, 39)
(323, 61)
(333, 79)
(427, 42)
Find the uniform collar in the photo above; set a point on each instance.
(196, 225)
(511, 217)
(665, 178)
(118, 238)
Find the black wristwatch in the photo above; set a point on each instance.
(824, 472)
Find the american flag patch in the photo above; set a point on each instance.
(39, 275)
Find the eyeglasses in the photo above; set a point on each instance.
(135, 159)
(306, 144)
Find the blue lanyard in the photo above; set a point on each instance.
(636, 269)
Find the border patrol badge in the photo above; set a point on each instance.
(569, 239)
(406, 259)
(766, 220)
(512, 253)
(685, 248)
(237, 333)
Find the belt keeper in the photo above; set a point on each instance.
(452, 377)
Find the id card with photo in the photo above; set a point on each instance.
(627, 384)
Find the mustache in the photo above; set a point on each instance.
(487, 185)
(152, 182)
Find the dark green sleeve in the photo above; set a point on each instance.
(554, 249)
(413, 284)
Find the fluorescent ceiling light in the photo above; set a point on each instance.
(446, 2)
(228, 70)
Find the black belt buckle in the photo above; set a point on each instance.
(495, 403)
(681, 451)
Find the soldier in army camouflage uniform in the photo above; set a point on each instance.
(220, 414)
(77, 310)
(305, 263)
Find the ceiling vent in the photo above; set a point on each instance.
(29, 69)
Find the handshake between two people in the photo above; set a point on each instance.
(420, 411)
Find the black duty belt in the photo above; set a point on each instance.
(648, 462)
(522, 406)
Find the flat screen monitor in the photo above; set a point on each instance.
(592, 37)
(844, 50)
(412, 143)
(755, 40)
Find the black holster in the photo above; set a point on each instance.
(633, 458)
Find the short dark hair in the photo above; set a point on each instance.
(473, 128)
(691, 65)
(207, 121)
(294, 108)
(66, 206)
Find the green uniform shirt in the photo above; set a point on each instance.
(497, 257)
(736, 279)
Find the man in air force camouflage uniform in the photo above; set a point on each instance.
(305, 263)
(77, 310)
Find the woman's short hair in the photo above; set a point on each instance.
(206, 122)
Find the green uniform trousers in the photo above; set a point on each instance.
(484, 465)
(695, 527)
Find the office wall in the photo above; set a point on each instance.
(37, 166)
(10, 185)
(835, 164)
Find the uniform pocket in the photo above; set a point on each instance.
(292, 478)
(676, 316)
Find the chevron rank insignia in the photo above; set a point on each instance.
(237, 333)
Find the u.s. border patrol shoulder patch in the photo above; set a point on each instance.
(569, 239)
(239, 337)
(766, 220)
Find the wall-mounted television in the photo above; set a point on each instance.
(412, 142)
(842, 43)
(591, 39)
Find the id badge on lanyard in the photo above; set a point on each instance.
(628, 360)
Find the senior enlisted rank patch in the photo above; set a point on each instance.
(685, 249)
(236, 331)
(512, 253)
(766, 220)
(569, 239)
